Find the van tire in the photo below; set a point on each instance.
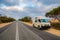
(39, 27)
(33, 25)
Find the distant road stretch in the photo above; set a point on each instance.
(20, 31)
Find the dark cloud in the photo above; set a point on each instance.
(48, 2)
(9, 2)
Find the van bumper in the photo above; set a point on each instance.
(45, 26)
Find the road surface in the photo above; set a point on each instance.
(20, 31)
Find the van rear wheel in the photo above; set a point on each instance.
(33, 25)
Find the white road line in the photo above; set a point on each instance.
(17, 33)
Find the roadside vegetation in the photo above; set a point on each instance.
(56, 25)
(55, 13)
(26, 19)
(5, 19)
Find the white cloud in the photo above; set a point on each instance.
(50, 7)
(18, 8)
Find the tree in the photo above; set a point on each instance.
(26, 19)
(0, 14)
(55, 13)
(4, 19)
(0, 19)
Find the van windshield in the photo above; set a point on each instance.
(44, 20)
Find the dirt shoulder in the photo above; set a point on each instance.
(51, 30)
(27, 23)
(4, 24)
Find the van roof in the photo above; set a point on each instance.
(41, 17)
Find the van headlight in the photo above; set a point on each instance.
(49, 24)
(45, 24)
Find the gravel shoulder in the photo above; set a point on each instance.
(51, 30)
(4, 24)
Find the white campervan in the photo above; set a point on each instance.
(41, 22)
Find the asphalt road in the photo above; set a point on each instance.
(20, 31)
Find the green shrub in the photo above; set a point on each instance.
(56, 25)
(26, 19)
(5, 19)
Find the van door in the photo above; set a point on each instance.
(39, 22)
(36, 21)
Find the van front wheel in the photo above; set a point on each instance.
(39, 27)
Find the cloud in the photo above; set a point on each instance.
(17, 8)
(9, 2)
(21, 8)
(48, 2)
(19, 2)
(41, 9)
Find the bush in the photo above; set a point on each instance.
(56, 25)
(26, 19)
(4, 19)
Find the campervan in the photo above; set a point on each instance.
(41, 22)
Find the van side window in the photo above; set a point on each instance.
(39, 20)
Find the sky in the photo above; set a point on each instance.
(20, 8)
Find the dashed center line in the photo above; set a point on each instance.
(17, 33)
